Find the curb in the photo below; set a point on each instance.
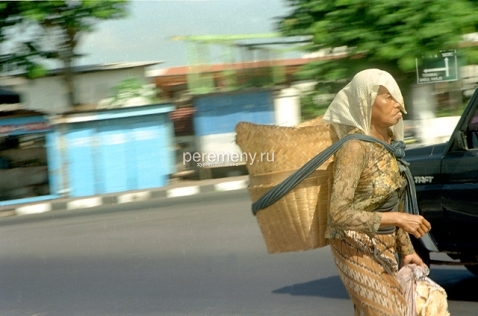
(120, 198)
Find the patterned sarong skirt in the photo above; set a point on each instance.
(368, 269)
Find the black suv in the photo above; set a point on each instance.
(446, 178)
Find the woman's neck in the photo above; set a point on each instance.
(382, 134)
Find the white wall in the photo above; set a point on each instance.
(48, 94)
(287, 107)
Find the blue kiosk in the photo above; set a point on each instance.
(113, 150)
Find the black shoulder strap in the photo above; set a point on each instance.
(411, 203)
(303, 172)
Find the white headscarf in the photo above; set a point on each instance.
(352, 106)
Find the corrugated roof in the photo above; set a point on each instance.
(210, 68)
(103, 67)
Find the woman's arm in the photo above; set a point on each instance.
(349, 163)
(416, 225)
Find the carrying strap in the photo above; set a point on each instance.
(273, 195)
(397, 148)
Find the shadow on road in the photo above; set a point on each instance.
(330, 287)
(459, 284)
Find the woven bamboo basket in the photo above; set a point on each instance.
(298, 220)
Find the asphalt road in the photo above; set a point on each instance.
(200, 255)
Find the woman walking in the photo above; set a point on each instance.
(366, 224)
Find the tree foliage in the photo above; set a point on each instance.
(55, 28)
(130, 92)
(18, 55)
(359, 34)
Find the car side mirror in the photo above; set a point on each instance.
(459, 140)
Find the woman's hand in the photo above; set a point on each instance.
(416, 225)
(413, 258)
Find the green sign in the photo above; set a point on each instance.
(441, 67)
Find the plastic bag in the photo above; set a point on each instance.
(424, 297)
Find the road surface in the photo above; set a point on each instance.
(200, 255)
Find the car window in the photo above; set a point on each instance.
(472, 131)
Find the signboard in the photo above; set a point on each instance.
(441, 67)
(18, 125)
(27, 128)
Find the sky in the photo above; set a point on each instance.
(145, 35)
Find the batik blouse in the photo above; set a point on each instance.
(366, 175)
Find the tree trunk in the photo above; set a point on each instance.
(68, 76)
(67, 57)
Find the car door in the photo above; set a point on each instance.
(459, 170)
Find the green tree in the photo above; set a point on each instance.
(131, 91)
(359, 34)
(64, 23)
(15, 53)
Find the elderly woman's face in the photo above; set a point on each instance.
(385, 110)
